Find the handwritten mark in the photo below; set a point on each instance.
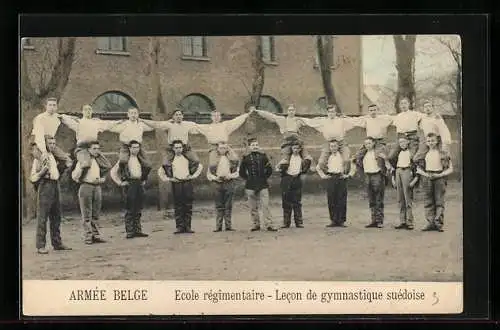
(434, 294)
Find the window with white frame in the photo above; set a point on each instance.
(112, 44)
(268, 49)
(194, 47)
(113, 101)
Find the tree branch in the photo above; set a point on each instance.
(27, 91)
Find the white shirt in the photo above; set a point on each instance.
(435, 124)
(336, 163)
(404, 158)
(335, 128)
(295, 165)
(163, 176)
(223, 168)
(44, 124)
(130, 131)
(87, 129)
(376, 127)
(134, 166)
(180, 167)
(286, 124)
(407, 121)
(53, 172)
(220, 132)
(93, 174)
(433, 161)
(370, 164)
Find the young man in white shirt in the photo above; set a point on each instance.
(87, 130)
(404, 179)
(177, 129)
(223, 174)
(182, 187)
(376, 126)
(432, 123)
(131, 130)
(45, 175)
(289, 127)
(47, 124)
(89, 193)
(434, 172)
(333, 128)
(291, 185)
(133, 185)
(218, 132)
(372, 164)
(407, 125)
(335, 171)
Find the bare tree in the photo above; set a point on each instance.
(54, 68)
(405, 66)
(325, 50)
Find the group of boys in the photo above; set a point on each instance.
(410, 160)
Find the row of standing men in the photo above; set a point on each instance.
(411, 158)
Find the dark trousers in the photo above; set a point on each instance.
(434, 192)
(224, 203)
(183, 204)
(90, 199)
(336, 193)
(375, 184)
(134, 193)
(48, 208)
(291, 197)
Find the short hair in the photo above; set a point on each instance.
(404, 98)
(51, 98)
(427, 102)
(295, 143)
(370, 138)
(333, 141)
(177, 142)
(49, 137)
(178, 109)
(134, 142)
(403, 137)
(132, 108)
(86, 105)
(331, 106)
(291, 106)
(94, 142)
(372, 105)
(432, 135)
(252, 139)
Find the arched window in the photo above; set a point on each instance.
(113, 101)
(320, 104)
(270, 104)
(197, 104)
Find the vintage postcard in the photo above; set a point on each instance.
(241, 175)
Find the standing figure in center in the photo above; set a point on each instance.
(256, 169)
(223, 174)
(291, 185)
(289, 128)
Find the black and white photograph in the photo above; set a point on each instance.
(242, 158)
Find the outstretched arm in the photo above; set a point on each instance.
(267, 115)
(108, 125)
(316, 122)
(235, 123)
(444, 131)
(153, 124)
(70, 121)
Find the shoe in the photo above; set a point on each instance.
(178, 231)
(98, 240)
(189, 231)
(285, 226)
(271, 229)
(218, 230)
(130, 235)
(255, 229)
(299, 226)
(230, 229)
(340, 225)
(429, 228)
(409, 227)
(371, 225)
(331, 225)
(440, 229)
(379, 225)
(89, 241)
(62, 247)
(42, 251)
(401, 226)
(140, 235)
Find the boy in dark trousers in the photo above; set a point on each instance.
(179, 173)
(132, 180)
(291, 184)
(335, 171)
(256, 169)
(373, 165)
(434, 169)
(404, 179)
(223, 174)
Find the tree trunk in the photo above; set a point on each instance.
(31, 105)
(459, 120)
(405, 65)
(325, 59)
(259, 69)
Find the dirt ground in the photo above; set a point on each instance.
(313, 253)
